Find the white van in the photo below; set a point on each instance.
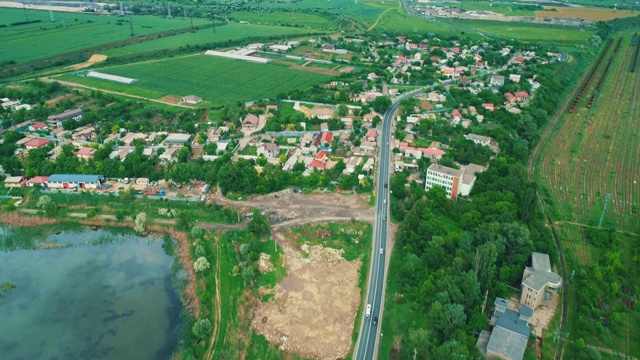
(367, 314)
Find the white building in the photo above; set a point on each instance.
(455, 182)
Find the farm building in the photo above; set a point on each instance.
(237, 56)
(57, 120)
(191, 99)
(116, 78)
(74, 181)
(322, 113)
(38, 180)
(14, 182)
(175, 138)
(37, 143)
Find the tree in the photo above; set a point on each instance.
(381, 104)
(196, 232)
(259, 224)
(43, 201)
(141, 220)
(211, 148)
(200, 251)
(343, 110)
(183, 154)
(201, 264)
(202, 328)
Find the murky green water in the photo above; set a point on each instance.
(108, 301)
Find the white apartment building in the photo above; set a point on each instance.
(446, 177)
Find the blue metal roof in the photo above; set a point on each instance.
(75, 178)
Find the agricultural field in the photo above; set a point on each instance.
(499, 8)
(295, 19)
(214, 79)
(368, 9)
(588, 168)
(527, 32)
(584, 13)
(223, 33)
(41, 40)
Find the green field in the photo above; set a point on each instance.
(224, 33)
(281, 18)
(72, 32)
(214, 79)
(364, 9)
(508, 9)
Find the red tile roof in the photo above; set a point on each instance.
(509, 96)
(38, 180)
(317, 164)
(371, 133)
(319, 156)
(36, 143)
(85, 151)
(39, 125)
(456, 113)
(522, 95)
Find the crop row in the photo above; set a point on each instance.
(604, 75)
(593, 71)
(634, 42)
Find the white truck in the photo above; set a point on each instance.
(367, 314)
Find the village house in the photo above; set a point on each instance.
(322, 113)
(250, 122)
(36, 143)
(488, 106)
(510, 97)
(177, 139)
(323, 138)
(497, 80)
(268, 150)
(510, 334)
(39, 126)
(521, 95)
(539, 283)
(371, 135)
(142, 181)
(515, 78)
(37, 181)
(85, 153)
(14, 182)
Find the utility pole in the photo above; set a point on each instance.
(53, 19)
(25, 12)
(131, 25)
(607, 198)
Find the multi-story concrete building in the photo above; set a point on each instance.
(446, 177)
(538, 281)
(455, 182)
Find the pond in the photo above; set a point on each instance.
(95, 296)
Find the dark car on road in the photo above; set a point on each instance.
(375, 320)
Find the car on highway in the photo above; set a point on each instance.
(387, 143)
(375, 320)
(385, 201)
(381, 251)
(367, 314)
(384, 217)
(386, 185)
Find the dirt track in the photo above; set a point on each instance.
(291, 209)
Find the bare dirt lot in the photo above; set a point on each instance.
(94, 59)
(287, 208)
(313, 310)
(584, 13)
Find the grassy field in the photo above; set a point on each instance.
(72, 32)
(365, 9)
(500, 8)
(307, 21)
(224, 33)
(213, 79)
(590, 153)
(527, 32)
(396, 22)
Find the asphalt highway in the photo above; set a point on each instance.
(367, 345)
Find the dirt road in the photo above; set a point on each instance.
(286, 208)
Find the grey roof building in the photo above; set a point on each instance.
(538, 281)
(510, 332)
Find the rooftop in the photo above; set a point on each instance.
(445, 170)
(74, 178)
(540, 275)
